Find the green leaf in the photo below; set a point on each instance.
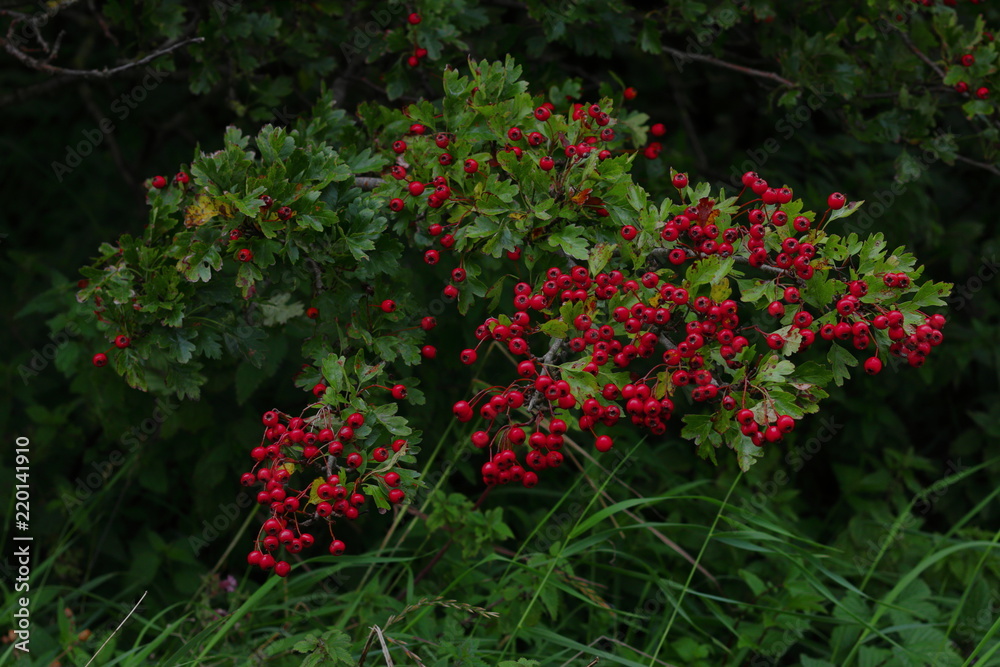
(555, 328)
(840, 359)
(570, 240)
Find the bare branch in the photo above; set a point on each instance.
(686, 55)
(105, 73)
(368, 182)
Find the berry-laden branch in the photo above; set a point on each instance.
(640, 317)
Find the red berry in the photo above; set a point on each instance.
(542, 113)
(658, 130)
(468, 356)
(471, 166)
(428, 323)
(396, 204)
(428, 351)
(961, 87)
(968, 59)
(546, 163)
(158, 182)
(244, 255)
(414, 18)
(337, 548)
(450, 292)
(680, 181)
(398, 392)
(630, 93)
(396, 496)
(514, 134)
(629, 232)
(282, 568)
(100, 359)
(284, 213)
(836, 201)
(873, 365)
(182, 178)
(122, 341)
(417, 128)
(312, 313)
(603, 443)
(319, 390)
(399, 146)
(388, 306)
(982, 92)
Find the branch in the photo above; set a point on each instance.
(89, 73)
(660, 254)
(686, 55)
(917, 52)
(368, 182)
(982, 165)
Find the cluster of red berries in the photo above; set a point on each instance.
(419, 53)
(180, 178)
(962, 87)
(101, 358)
(333, 445)
(622, 321)
(594, 134)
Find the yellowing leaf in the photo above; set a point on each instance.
(204, 209)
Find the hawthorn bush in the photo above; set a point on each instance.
(416, 327)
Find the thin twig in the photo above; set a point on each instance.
(105, 73)
(686, 55)
(917, 52)
(992, 168)
(118, 628)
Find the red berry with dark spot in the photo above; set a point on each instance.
(100, 359)
(244, 255)
(399, 392)
(158, 182)
(836, 201)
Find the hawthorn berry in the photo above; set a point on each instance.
(428, 351)
(982, 92)
(398, 392)
(450, 292)
(312, 313)
(658, 130)
(546, 163)
(680, 181)
(415, 188)
(244, 255)
(629, 232)
(417, 128)
(468, 356)
(836, 201)
(428, 323)
(284, 213)
(396, 496)
(968, 60)
(471, 166)
(630, 93)
(414, 18)
(122, 341)
(432, 256)
(182, 178)
(388, 306)
(873, 365)
(445, 159)
(100, 359)
(158, 182)
(961, 87)
(396, 204)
